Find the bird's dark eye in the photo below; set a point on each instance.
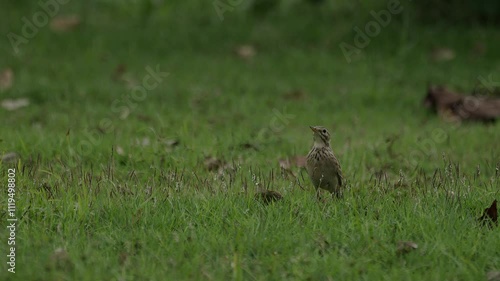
(324, 131)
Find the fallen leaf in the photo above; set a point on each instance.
(246, 51)
(493, 276)
(248, 145)
(482, 109)
(121, 75)
(441, 54)
(440, 98)
(490, 215)
(143, 117)
(213, 164)
(449, 116)
(118, 72)
(405, 247)
(6, 79)
(455, 107)
(65, 23)
(295, 95)
(268, 196)
(10, 157)
(13, 104)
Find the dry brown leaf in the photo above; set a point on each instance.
(449, 116)
(485, 109)
(248, 145)
(490, 215)
(121, 75)
(143, 117)
(118, 72)
(65, 23)
(405, 247)
(10, 157)
(439, 98)
(268, 196)
(246, 51)
(213, 164)
(295, 95)
(6, 79)
(13, 104)
(455, 107)
(441, 54)
(493, 275)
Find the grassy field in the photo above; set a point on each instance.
(113, 183)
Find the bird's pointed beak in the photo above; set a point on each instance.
(313, 129)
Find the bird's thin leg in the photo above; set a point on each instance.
(336, 194)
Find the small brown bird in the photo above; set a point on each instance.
(322, 165)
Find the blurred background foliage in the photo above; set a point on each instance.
(428, 11)
(485, 12)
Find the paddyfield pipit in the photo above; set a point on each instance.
(322, 165)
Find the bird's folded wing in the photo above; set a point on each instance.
(335, 169)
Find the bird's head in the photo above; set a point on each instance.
(321, 136)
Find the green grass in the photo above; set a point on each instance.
(123, 205)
